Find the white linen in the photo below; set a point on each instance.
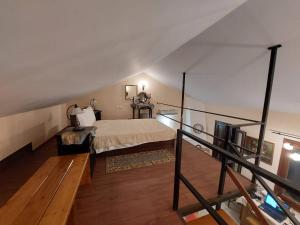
(116, 134)
(87, 118)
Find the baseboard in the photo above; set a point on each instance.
(150, 146)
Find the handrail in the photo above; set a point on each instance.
(251, 156)
(260, 171)
(247, 197)
(264, 184)
(184, 124)
(212, 113)
(245, 125)
(255, 169)
(202, 200)
(257, 172)
(213, 136)
(241, 147)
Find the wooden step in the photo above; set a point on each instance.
(209, 220)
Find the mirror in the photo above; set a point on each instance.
(130, 91)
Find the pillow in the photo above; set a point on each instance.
(91, 115)
(87, 118)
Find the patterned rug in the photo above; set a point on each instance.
(138, 160)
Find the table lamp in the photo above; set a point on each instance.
(73, 117)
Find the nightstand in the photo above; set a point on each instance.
(97, 114)
(76, 142)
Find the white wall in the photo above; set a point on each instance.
(189, 118)
(111, 100)
(35, 126)
(192, 117)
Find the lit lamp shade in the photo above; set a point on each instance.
(76, 110)
(74, 121)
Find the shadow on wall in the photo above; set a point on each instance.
(36, 135)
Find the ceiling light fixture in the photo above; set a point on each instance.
(143, 84)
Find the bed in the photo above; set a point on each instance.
(124, 134)
(131, 135)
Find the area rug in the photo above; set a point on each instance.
(138, 160)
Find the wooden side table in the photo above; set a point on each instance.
(148, 107)
(76, 142)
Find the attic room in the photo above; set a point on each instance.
(150, 112)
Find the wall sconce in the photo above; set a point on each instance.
(143, 84)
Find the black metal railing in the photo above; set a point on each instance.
(226, 155)
(218, 138)
(189, 126)
(211, 113)
(268, 189)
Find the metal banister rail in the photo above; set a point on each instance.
(211, 113)
(216, 137)
(189, 126)
(268, 189)
(258, 173)
(202, 200)
(254, 207)
(284, 183)
(266, 106)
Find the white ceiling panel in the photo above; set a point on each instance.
(52, 50)
(228, 62)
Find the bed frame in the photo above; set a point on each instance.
(151, 146)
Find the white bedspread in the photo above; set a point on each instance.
(116, 134)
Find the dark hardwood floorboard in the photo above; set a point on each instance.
(140, 196)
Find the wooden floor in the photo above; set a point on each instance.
(135, 197)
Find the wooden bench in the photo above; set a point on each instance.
(48, 196)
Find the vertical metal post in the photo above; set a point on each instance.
(266, 103)
(178, 150)
(182, 99)
(177, 170)
(224, 165)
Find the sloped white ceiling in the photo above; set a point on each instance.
(228, 63)
(51, 51)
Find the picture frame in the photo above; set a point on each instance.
(267, 152)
